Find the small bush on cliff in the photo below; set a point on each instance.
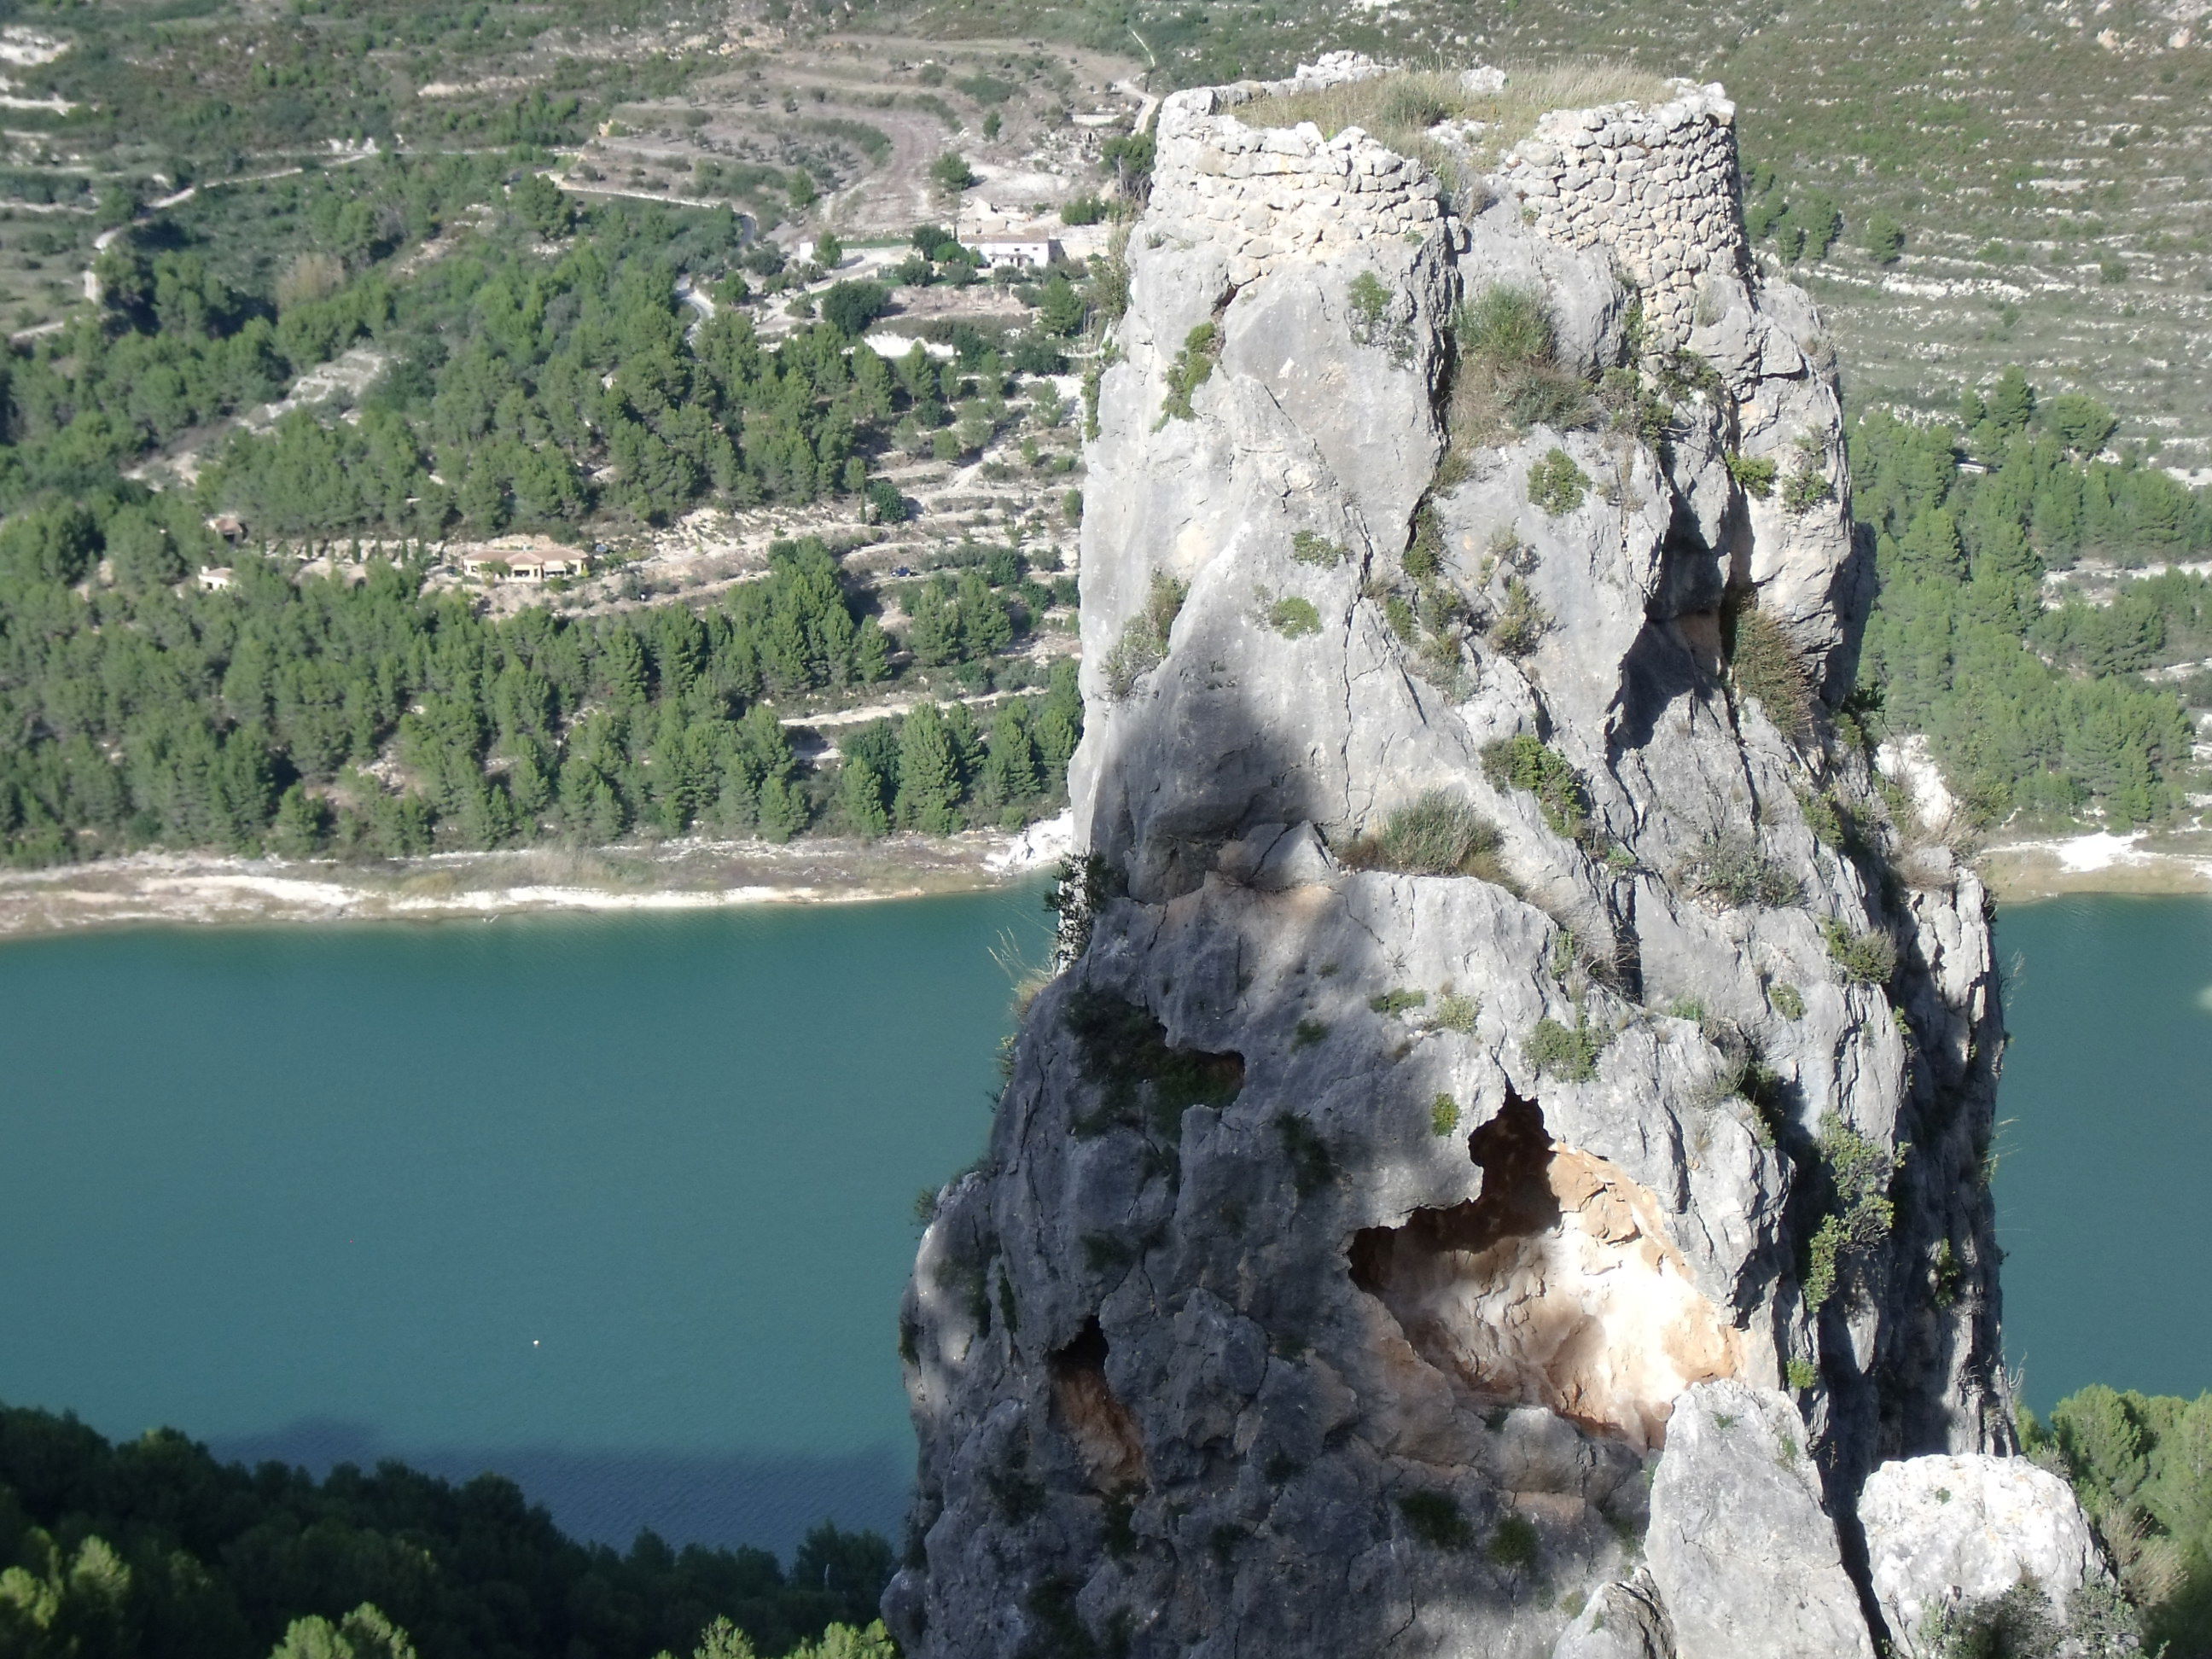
(1860, 1214)
(1521, 623)
(1143, 1079)
(1557, 484)
(1763, 663)
(1514, 1542)
(1509, 377)
(1192, 367)
(1733, 869)
(1307, 547)
(1436, 1520)
(1568, 1052)
(1438, 835)
(1754, 474)
(1294, 617)
(1457, 1013)
(1865, 958)
(2021, 1624)
(1144, 642)
(1527, 762)
(1807, 488)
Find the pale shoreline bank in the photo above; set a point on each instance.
(156, 889)
(159, 888)
(2023, 872)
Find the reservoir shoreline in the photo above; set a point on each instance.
(162, 889)
(159, 888)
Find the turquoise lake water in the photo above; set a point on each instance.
(622, 1206)
(2108, 1152)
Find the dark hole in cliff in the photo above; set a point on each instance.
(1143, 1081)
(1556, 1285)
(1103, 1428)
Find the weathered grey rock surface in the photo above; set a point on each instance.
(1364, 1258)
(1743, 1556)
(1943, 1533)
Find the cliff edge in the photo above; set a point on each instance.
(1502, 1166)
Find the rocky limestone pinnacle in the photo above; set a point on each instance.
(1502, 1162)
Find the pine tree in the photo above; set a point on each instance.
(872, 652)
(860, 798)
(929, 780)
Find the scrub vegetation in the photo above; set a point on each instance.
(151, 1549)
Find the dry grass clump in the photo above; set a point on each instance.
(1764, 663)
(1438, 835)
(1509, 377)
(1399, 108)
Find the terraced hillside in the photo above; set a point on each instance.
(2046, 164)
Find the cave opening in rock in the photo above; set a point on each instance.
(1104, 1429)
(1556, 1285)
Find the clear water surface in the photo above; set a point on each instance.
(620, 1207)
(2106, 1155)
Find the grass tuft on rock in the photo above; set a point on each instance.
(1440, 833)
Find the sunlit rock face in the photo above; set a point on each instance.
(1489, 1002)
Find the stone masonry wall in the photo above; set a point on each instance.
(1277, 192)
(1657, 186)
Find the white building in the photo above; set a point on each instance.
(1018, 256)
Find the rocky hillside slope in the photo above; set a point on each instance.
(1502, 1169)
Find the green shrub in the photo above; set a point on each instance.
(1506, 325)
(1509, 377)
(1457, 1013)
(1443, 1115)
(1569, 1054)
(950, 173)
(1144, 642)
(1788, 1001)
(1521, 623)
(1803, 1374)
(1885, 239)
(1526, 762)
(1860, 1213)
(1866, 958)
(1370, 325)
(1555, 483)
(2020, 1624)
(1398, 1001)
(1438, 835)
(1192, 367)
(1307, 1033)
(1141, 1078)
(1307, 547)
(1294, 617)
(1807, 487)
(1515, 1542)
(1436, 1520)
(1754, 474)
(1424, 559)
(1830, 821)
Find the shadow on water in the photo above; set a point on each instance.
(608, 1497)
